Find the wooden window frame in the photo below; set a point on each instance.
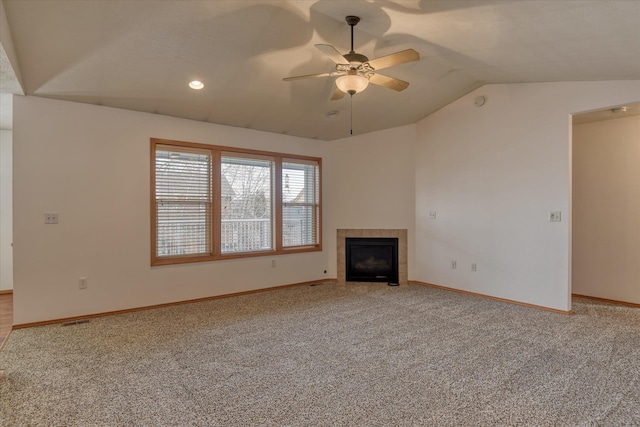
(316, 205)
(215, 235)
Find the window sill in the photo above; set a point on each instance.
(206, 258)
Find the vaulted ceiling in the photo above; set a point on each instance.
(140, 55)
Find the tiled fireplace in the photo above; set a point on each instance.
(400, 234)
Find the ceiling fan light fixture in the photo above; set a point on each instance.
(352, 83)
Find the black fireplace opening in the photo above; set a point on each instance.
(372, 259)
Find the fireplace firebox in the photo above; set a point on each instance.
(371, 259)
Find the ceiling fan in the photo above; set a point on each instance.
(356, 71)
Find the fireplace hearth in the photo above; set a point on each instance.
(371, 259)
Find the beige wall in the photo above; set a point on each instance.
(606, 209)
(6, 211)
(90, 164)
(492, 174)
(371, 184)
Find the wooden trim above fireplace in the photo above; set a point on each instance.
(400, 234)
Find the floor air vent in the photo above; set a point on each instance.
(76, 322)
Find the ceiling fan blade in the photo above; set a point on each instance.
(397, 58)
(307, 76)
(388, 82)
(338, 94)
(332, 53)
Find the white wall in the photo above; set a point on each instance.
(6, 211)
(606, 209)
(90, 164)
(371, 183)
(492, 174)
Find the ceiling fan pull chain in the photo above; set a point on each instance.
(351, 108)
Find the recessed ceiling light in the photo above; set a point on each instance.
(196, 84)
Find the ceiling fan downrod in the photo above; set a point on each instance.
(352, 21)
(354, 59)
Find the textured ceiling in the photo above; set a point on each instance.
(140, 55)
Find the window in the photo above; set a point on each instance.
(300, 202)
(183, 201)
(210, 202)
(246, 205)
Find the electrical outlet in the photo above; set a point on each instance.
(51, 218)
(273, 263)
(432, 214)
(454, 264)
(555, 216)
(82, 283)
(474, 267)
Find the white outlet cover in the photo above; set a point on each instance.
(555, 216)
(51, 218)
(432, 214)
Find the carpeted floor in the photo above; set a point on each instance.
(330, 355)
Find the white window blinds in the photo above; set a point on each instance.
(300, 202)
(183, 201)
(211, 202)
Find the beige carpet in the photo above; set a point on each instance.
(330, 355)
